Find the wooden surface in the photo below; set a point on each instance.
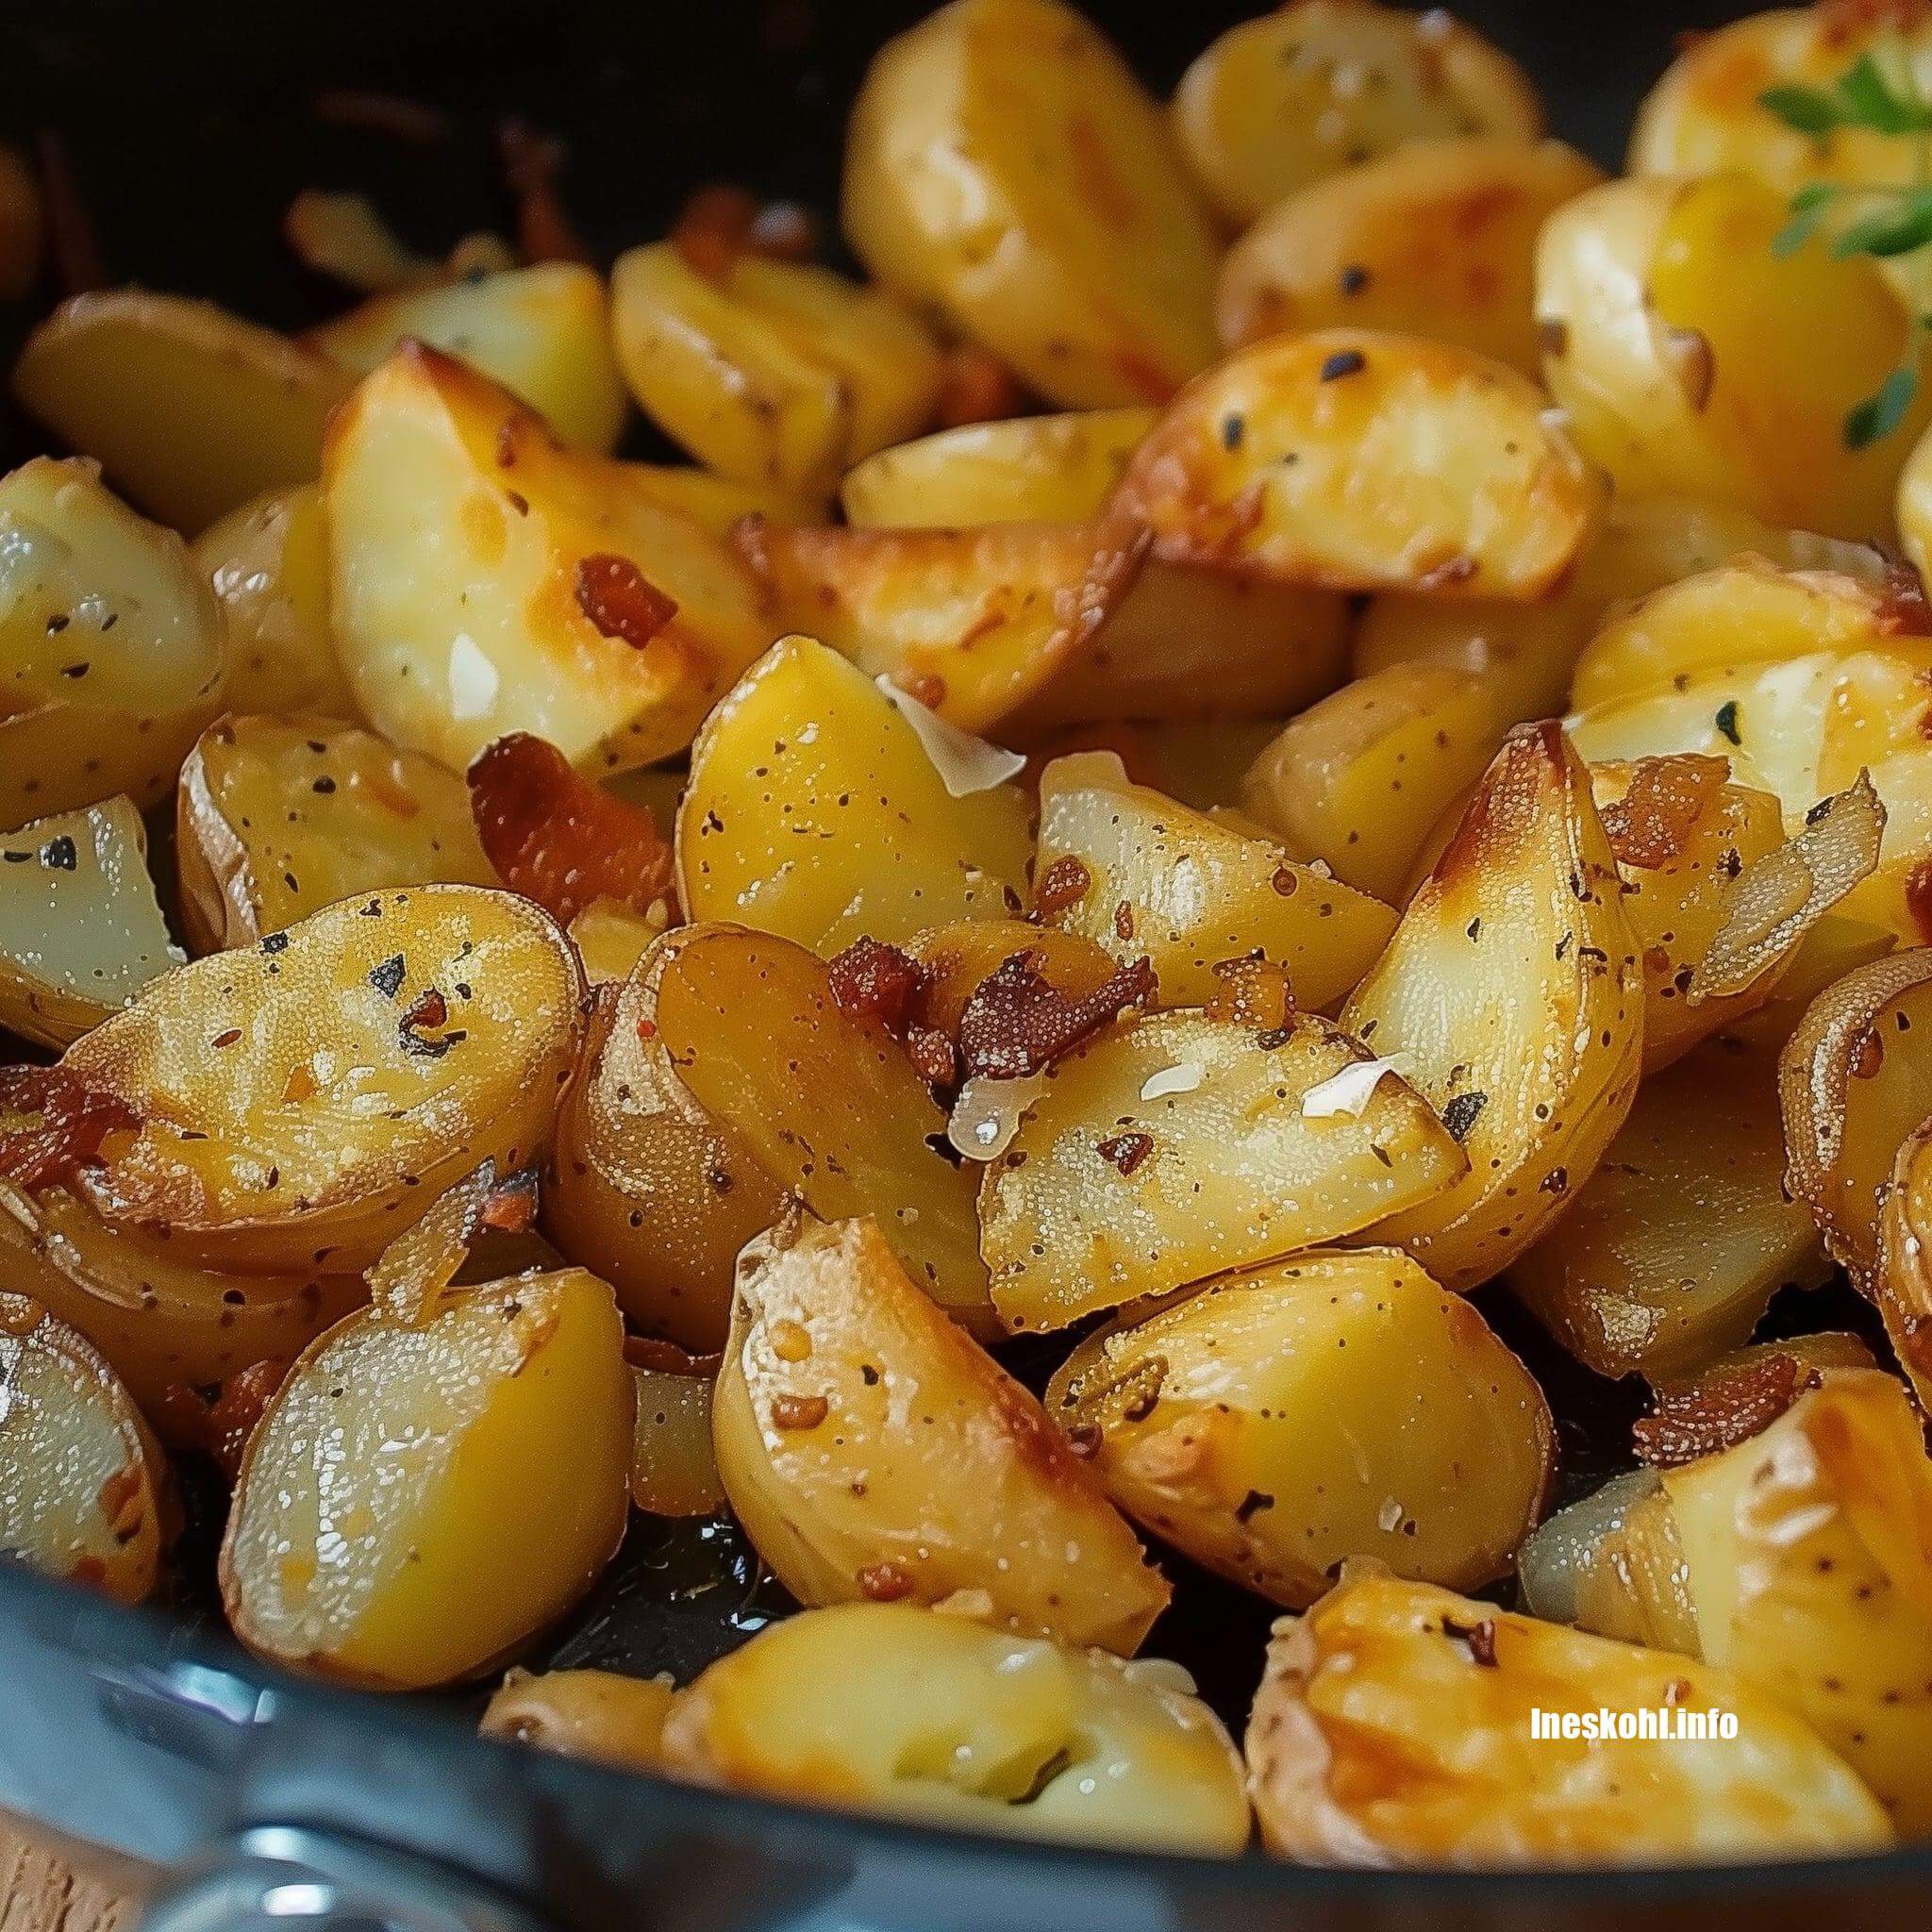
(40, 1894)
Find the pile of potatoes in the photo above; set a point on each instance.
(1296, 709)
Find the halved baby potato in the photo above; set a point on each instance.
(935, 1716)
(112, 651)
(873, 1452)
(602, 1715)
(422, 1496)
(191, 411)
(1002, 164)
(80, 933)
(1337, 1405)
(277, 817)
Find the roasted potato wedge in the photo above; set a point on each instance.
(308, 1099)
(1363, 462)
(1337, 1405)
(191, 411)
(422, 1496)
(1514, 986)
(1174, 1147)
(1190, 891)
(1004, 165)
(82, 1484)
(1435, 238)
(542, 332)
(277, 817)
(1611, 1563)
(825, 809)
(1393, 1727)
(1684, 350)
(873, 1452)
(80, 933)
(485, 579)
(1323, 86)
(601, 1715)
(937, 1717)
(112, 651)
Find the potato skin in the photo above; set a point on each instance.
(602, 1715)
(1337, 1405)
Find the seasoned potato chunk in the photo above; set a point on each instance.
(422, 1496)
(873, 1451)
(1174, 1147)
(825, 809)
(1002, 164)
(1686, 352)
(485, 579)
(1515, 987)
(1611, 1563)
(191, 411)
(80, 933)
(777, 373)
(1436, 238)
(937, 1717)
(311, 1097)
(111, 654)
(1393, 1727)
(1339, 1405)
(277, 817)
(1321, 86)
(82, 1485)
(1365, 461)
(1190, 892)
(542, 332)
(601, 1715)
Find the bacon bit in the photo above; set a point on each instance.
(61, 1125)
(935, 1059)
(620, 600)
(1126, 1151)
(799, 1412)
(510, 1208)
(1016, 1021)
(884, 1583)
(219, 1419)
(70, 238)
(1722, 1408)
(1064, 883)
(1648, 826)
(977, 386)
(874, 981)
(713, 228)
(1253, 992)
(379, 113)
(531, 163)
(556, 837)
(1903, 607)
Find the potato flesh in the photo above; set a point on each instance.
(80, 933)
(933, 1716)
(1378, 1738)
(601, 1715)
(422, 1496)
(1611, 1564)
(1004, 165)
(277, 817)
(674, 1470)
(303, 1101)
(80, 1479)
(1170, 1148)
(1340, 1405)
(815, 811)
(1196, 892)
(111, 656)
(873, 1452)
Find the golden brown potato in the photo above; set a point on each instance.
(1675, 1244)
(111, 652)
(935, 1716)
(485, 579)
(80, 933)
(82, 1484)
(825, 809)
(1004, 165)
(1170, 1148)
(1364, 462)
(277, 817)
(421, 1497)
(191, 411)
(1611, 1564)
(1190, 893)
(1393, 1727)
(1198, 761)
(1685, 352)
(308, 1099)
(610, 939)
(774, 372)
(674, 1468)
(1323, 86)
(602, 1715)
(1902, 1284)
(873, 1452)
(542, 332)
(1337, 1405)
(1436, 238)
(1514, 986)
